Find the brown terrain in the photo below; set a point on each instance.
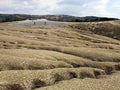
(60, 55)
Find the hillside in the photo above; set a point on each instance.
(64, 18)
(109, 29)
(60, 55)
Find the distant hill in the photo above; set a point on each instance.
(64, 18)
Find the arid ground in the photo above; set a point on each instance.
(60, 55)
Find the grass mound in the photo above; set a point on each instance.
(34, 57)
(112, 82)
(35, 79)
(111, 27)
(18, 59)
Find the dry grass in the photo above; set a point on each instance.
(47, 58)
(112, 82)
(25, 79)
(17, 59)
(111, 27)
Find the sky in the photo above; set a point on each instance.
(103, 8)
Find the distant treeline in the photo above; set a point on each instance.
(13, 17)
(63, 18)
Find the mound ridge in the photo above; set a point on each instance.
(37, 57)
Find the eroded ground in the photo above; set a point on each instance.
(65, 57)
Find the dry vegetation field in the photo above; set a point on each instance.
(74, 56)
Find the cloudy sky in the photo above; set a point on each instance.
(109, 8)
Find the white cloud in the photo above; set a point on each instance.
(72, 7)
(28, 6)
(44, 6)
(6, 3)
(92, 7)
